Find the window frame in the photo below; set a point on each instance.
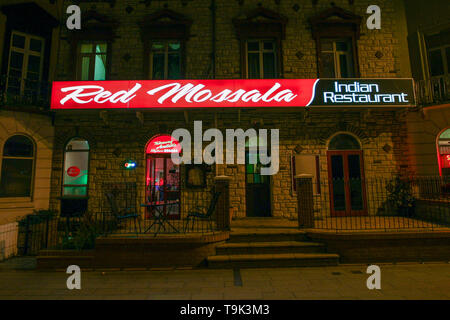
(336, 55)
(33, 167)
(80, 55)
(353, 66)
(261, 52)
(26, 51)
(64, 165)
(336, 23)
(149, 57)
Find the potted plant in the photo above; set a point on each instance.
(400, 196)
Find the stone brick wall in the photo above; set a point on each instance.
(123, 131)
(390, 40)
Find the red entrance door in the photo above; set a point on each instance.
(347, 184)
(163, 184)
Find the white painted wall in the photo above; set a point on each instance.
(39, 128)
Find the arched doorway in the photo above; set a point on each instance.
(444, 153)
(162, 178)
(346, 176)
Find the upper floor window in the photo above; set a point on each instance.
(92, 60)
(165, 60)
(261, 59)
(336, 58)
(164, 36)
(26, 57)
(336, 32)
(260, 33)
(438, 47)
(17, 167)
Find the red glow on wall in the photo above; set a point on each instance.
(163, 144)
(445, 161)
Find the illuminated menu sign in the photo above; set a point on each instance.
(232, 93)
(163, 144)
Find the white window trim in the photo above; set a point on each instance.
(26, 53)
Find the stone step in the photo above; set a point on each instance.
(267, 235)
(269, 247)
(273, 260)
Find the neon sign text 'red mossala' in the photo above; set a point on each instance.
(230, 93)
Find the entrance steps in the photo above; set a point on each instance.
(266, 247)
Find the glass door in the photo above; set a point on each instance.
(346, 181)
(163, 184)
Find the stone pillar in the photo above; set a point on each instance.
(305, 200)
(223, 216)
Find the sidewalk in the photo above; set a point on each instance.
(401, 281)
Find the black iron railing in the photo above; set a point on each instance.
(433, 91)
(20, 92)
(382, 204)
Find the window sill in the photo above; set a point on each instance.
(13, 203)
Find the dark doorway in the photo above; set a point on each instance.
(346, 177)
(257, 187)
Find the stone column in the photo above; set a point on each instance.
(305, 200)
(223, 216)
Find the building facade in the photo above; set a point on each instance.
(201, 40)
(28, 49)
(429, 125)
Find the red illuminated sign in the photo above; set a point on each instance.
(231, 93)
(73, 171)
(163, 144)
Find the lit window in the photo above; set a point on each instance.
(76, 165)
(261, 59)
(336, 58)
(25, 63)
(17, 167)
(92, 61)
(165, 60)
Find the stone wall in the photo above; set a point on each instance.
(310, 135)
(390, 40)
(382, 54)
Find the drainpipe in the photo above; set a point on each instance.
(213, 38)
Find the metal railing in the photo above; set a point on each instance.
(19, 92)
(175, 212)
(382, 204)
(433, 91)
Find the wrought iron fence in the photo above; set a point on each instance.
(382, 203)
(434, 90)
(24, 92)
(122, 213)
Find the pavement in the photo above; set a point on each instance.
(18, 280)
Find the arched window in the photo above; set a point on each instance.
(444, 153)
(344, 141)
(76, 166)
(17, 167)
